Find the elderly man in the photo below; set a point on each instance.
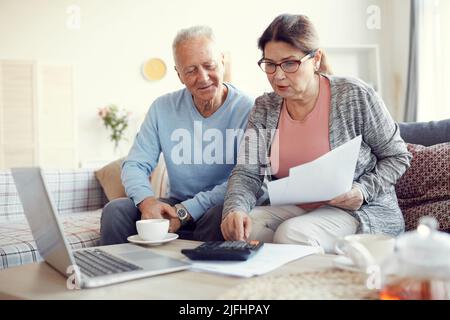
(197, 129)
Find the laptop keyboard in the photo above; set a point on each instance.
(95, 262)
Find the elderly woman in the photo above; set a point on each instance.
(313, 113)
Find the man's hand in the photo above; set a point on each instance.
(174, 223)
(351, 200)
(236, 226)
(152, 208)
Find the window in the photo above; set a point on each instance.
(433, 60)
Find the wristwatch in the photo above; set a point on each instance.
(182, 214)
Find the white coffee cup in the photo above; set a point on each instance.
(152, 229)
(366, 249)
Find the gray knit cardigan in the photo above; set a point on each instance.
(356, 109)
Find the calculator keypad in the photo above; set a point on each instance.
(223, 250)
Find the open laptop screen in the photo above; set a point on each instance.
(42, 218)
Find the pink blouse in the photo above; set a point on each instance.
(297, 142)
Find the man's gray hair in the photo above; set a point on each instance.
(190, 33)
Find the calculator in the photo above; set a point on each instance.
(224, 250)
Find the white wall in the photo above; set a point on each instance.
(116, 37)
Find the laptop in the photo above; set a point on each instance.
(87, 267)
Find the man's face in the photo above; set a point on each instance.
(200, 67)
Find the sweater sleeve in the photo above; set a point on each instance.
(382, 134)
(205, 200)
(142, 159)
(247, 177)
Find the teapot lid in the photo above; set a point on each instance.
(426, 248)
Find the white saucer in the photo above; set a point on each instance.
(345, 263)
(138, 240)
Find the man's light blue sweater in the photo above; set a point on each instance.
(199, 152)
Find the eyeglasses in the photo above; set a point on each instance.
(288, 66)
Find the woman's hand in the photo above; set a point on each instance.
(236, 226)
(351, 200)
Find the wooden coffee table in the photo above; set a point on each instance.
(40, 281)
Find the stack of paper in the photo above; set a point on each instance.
(268, 258)
(320, 180)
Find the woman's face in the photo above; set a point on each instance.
(289, 85)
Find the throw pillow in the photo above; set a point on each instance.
(424, 189)
(109, 179)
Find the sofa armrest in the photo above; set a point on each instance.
(425, 133)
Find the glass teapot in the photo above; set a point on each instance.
(419, 269)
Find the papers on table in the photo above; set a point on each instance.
(268, 258)
(320, 180)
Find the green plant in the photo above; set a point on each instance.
(116, 120)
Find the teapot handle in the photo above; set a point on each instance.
(357, 253)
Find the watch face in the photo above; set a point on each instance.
(182, 213)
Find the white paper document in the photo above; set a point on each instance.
(268, 258)
(320, 180)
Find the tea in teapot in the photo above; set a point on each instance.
(419, 269)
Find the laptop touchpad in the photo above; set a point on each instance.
(137, 255)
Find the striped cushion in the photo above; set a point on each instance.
(17, 246)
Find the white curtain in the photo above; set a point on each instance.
(433, 28)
